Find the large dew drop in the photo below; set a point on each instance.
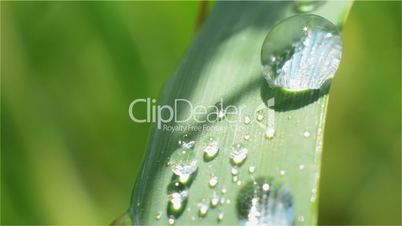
(263, 203)
(183, 163)
(301, 53)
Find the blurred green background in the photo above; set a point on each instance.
(70, 153)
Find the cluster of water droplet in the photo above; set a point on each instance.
(183, 161)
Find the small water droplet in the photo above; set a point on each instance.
(251, 169)
(228, 201)
(186, 142)
(313, 198)
(224, 190)
(306, 133)
(239, 182)
(301, 167)
(265, 187)
(183, 163)
(282, 172)
(265, 203)
(308, 5)
(203, 209)
(247, 120)
(247, 137)
(214, 200)
(213, 181)
(220, 216)
(260, 116)
(269, 133)
(177, 202)
(158, 215)
(238, 155)
(171, 221)
(211, 150)
(235, 178)
(234, 171)
(298, 54)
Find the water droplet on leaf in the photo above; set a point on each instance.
(265, 203)
(213, 181)
(203, 209)
(177, 203)
(220, 216)
(269, 133)
(234, 171)
(238, 155)
(251, 169)
(158, 215)
(211, 150)
(260, 116)
(183, 163)
(302, 52)
(186, 142)
(247, 120)
(214, 200)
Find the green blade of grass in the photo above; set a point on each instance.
(224, 63)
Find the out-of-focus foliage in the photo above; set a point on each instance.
(70, 69)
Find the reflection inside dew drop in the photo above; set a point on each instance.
(300, 53)
(264, 202)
